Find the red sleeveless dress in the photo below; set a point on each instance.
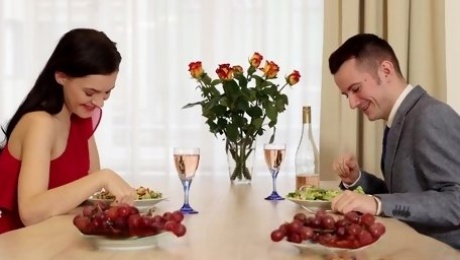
(73, 164)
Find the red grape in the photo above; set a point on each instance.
(284, 227)
(327, 239)
(342, 223)
(300, 217)
(320, 213)
(352, 216)
(343, 243)
(377, 230)
(328, 222)
(179, 230)
(294, 238)
(124, 220)
(112, 213)
(367, 219)
(354, 229)
(177, 216)
(316, 223)
(133, 210)
(341, 232)
(349, 232)
(96, 225)
(120, 224)
(167, 215)
(306, 233)
(134, 221)
(277, 235)
(170, 225)
(82, 223)
(123, 211)
(309, 221)
(315, 237)
(88, 211)
(158, 218)
(365, 238)
(294, 226)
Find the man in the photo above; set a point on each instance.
(421, 150)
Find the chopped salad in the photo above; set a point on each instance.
(315, 193)
(142, 194)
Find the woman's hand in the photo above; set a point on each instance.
(123, 192)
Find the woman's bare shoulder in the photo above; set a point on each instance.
(34, 128)
(38, 121)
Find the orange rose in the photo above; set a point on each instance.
(196, 70)
(237, 69)
(255, 60)
(270, 70)
(293, 78)
(224, 72)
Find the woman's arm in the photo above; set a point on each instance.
(94, 162)
(36, 202)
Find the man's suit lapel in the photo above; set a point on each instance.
(395, 132)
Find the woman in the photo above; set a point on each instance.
(49, 163)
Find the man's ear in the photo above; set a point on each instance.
(60, 77)
(387, 68)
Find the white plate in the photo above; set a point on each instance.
(141, 205)
(307, 246)
(131, 243)
(312, 204)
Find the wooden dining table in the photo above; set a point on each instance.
(234, 222)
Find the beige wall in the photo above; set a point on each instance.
(453, 53)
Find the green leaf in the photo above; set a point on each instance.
(241, 104)
(240, 120)
(254, 111)
(242, 81)
(272, 123)
(251, 70)
(206, 79)
(272, 113)
(257, 123)
(231, 87)
(189, 105)
(222, 122)
(213, 127)
(219, 110)
(280, 105)
(272, 137)
(259, 81)
(232, 132)
(216, 82)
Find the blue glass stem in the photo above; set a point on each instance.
(186, 184)
(186, 207)
(274, 195)
(274, 176)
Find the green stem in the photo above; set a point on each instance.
(283, 87)
(240, 152)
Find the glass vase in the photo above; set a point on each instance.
(240, 158)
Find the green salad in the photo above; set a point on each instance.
(314, 193)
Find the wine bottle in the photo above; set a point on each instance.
(306, 158)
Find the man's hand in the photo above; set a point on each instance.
(347, 168)
(352, 201)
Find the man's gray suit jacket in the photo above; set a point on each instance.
(422, 168)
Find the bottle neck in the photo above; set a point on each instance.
(306, 129)
(306, 118)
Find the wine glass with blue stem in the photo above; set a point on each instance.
(186, 161)
(274, 155)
